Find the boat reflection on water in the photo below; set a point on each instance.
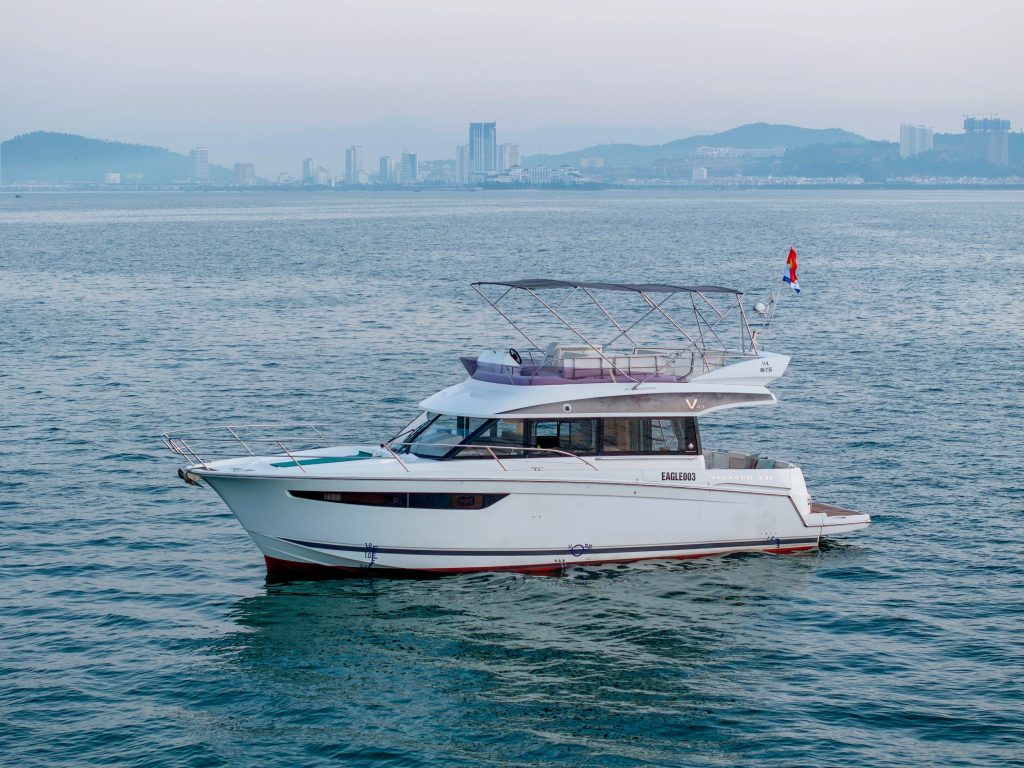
(625, 662)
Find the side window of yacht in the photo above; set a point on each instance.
(571, 435)
(678, 435)
(506, 433)
(516, 438)
(543, 434)
(578, 436)
(619, 435)
(648, 436)
(666, 436)
(505, 437)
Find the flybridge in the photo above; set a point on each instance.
(699, 330)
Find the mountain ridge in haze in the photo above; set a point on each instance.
(748, 136)
(50, 157)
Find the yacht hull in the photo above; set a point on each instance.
(311, 526)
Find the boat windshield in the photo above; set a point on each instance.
(435, 438)
(440, 436)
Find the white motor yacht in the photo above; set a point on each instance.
(581, 450)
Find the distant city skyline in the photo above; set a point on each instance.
(751, 153)
(257, 82)
(335, 149)
(483, 156)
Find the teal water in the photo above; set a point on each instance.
(137, 626)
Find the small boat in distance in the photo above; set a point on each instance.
(570, 451)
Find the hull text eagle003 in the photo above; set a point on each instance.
(583, 450)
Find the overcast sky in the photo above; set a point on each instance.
(273, 82)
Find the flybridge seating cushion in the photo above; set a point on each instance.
(581, 367)
(557, 351)
(580, 362)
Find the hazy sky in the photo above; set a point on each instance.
(273, 82)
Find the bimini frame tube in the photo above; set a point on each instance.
(611, 365)
(509, 320)
(707, 315)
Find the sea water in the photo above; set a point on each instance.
(136, 622)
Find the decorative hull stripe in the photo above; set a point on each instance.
(289, 569)
(574, 550)
(407, 500)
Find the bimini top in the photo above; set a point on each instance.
(541, 284)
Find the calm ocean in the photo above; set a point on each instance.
(137, 626)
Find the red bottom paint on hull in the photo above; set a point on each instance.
(284, 570)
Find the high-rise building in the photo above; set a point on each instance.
(988, 140)
(309, 170)
(245, 174)
(322, 177)
(483, 149)
(386, 172)
(200, 157)
(508, 156)
(462, 164)
(353, 164)
(915, 139)
(409, 170)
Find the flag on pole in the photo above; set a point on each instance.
(789, 276)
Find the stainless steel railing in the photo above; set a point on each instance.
(203, 447)
(523, 450)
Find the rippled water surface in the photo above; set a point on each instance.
(137, 625)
